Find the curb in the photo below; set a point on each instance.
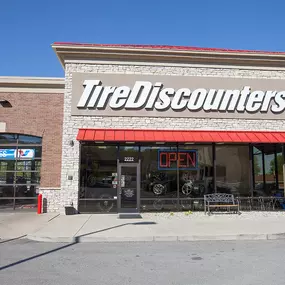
(78, 239)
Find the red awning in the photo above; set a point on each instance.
(180, 136)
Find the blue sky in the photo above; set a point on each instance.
(28, 28)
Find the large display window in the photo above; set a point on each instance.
(171, 176)
(98, 169)
(176, 177)
(159, 182)
(20, 165)
(268, 170)
(233, 170)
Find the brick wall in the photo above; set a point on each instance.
(70, 155)
(41, 115)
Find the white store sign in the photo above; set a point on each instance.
(145, 95)
(163, 98)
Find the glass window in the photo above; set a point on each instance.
(98, 172)
(7, 165)
(19, 167)
(158, 172)
(270, 177)
(233, 172)
(6, 191)
(23, 139)
(159, 182)
(128, 153)
(195, 163)
(25, 191)
(6, 178)
(280, 162)
(27, 177)
(268, 169)
(29, 165)
(8, 138)
(258, 171)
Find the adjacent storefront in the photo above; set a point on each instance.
(31, 114)
(156, 128)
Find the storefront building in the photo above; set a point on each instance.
(31, 114)
(150, 128)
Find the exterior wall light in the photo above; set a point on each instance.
(71, 143)
(4, 103)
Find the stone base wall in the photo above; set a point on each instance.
(51, 199)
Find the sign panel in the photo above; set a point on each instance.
(177, 96)
(183, 159)
(12, 154)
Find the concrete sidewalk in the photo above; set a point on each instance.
(163, 227)
(14, 225)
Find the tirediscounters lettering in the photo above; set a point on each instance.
(145, 95)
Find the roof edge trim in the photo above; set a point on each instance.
(148, 53)
(31, 82)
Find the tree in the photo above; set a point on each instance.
(256, 166)
(279, 165)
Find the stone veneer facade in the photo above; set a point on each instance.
(71, 124)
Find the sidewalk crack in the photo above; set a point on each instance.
(82, 226)
(53, 218)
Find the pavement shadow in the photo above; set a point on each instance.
(12, 239)
(76, 241)
(77, 238)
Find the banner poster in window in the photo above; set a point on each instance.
(12, 154)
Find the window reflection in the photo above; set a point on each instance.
(158, 172)
(29, 140)
(19, 139)
(270, 177)
(8, 138)
(177, 177)
(258, 172)
(280, 162)
(19, 167)
(197, 181)
(233, 173)
(98, 171)
(268, 170)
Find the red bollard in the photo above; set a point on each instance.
(40, 203)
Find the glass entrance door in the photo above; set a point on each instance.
(128, 187)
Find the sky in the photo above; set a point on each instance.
(29, 27)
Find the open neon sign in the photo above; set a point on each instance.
(182, 159)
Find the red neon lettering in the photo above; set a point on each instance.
(161, 159)
(174, 157)
(181, 160)
(191, 159)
